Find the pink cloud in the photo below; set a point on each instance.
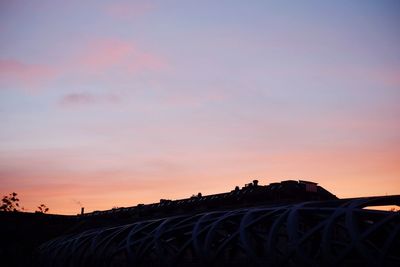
(33, 75)
(390, 77)
(81, 99)
(146, 61)
(107, 54)
(98, 56)
(128, 10)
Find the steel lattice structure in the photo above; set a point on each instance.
(330, 233)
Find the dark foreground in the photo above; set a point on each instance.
(253, 226)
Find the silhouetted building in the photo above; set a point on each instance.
(251, 194)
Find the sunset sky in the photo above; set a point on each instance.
(115, 103)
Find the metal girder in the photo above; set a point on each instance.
(330, 233)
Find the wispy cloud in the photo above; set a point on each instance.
(106, 54)
(97, 56)
(389, 77)
(13, 71)
(83, 99)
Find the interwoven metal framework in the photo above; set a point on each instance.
(333, 233)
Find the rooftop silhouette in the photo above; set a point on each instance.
(250, 194)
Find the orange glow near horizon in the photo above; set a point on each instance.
(360, 174)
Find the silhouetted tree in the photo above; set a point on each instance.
(10, 202)
(42, 208)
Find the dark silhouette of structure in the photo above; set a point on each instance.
(328, 233)
(251, 194)
(292, 223)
